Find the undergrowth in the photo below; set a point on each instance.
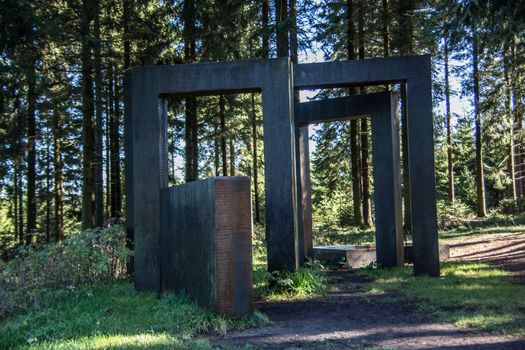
(39, 274)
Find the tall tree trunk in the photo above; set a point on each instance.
(281, 15)
(109, 120)
(517, 107)
(293, 37)
(31, 153)
(58, 183)
(365, 153)
(114, 153)
(99, 183)
(48, 192)
(480, 180)
(191, 124)
(18, 218)
(511, 188)
(15, 204)
(127, 6)
(222, 113)
(88, 132)
(405, 40)
(230, 100)
(232, 155)
(385, 33)
(451, 193)
(354, 124)
(216, 151)
(265, 29)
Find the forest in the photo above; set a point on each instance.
(62, 65)
(62, 68)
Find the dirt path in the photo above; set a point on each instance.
(349, 320)
(506, 251)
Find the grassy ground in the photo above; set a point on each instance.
(115, 316)
(494, 223)
(469, 294)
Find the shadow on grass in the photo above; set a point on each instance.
(469, 294)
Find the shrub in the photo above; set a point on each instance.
(39, 274)
(452, 216)
(306, 281)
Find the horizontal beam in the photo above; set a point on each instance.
(360, 72)
(209, 78)
(341, 108)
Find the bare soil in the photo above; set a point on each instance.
(348, 319)
(506, 251)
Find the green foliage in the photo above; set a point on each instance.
(113, 315)
(452, 216)
(469, 294)
(308, 281)
(327, 234)
(39, 274)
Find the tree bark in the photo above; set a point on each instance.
(405, 42)
(191, 124)
(265, 29)
(31, 153)
(386, 28)
(99, 171)
(354, 124)
(480, 180)
(451, 193)
(281, 16)
(88, 132)
(58, 183)
(511, 188)
(223, 135)
(48, 193)
(126, 22)
(365, 153)
(518, 125)
(114, 153)
(109, 120)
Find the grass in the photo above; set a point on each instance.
(307, 282)
(469, 294)
(115, 316)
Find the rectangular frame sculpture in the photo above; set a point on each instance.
(415, 73)
(146, 146)
(207, 243)
(382, 108)
(146, 151)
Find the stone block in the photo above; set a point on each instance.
(207, 243)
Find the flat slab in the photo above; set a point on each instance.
(358, 256)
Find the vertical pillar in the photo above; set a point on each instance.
(422, 174)
(149, 176)
(279, 157)
(387, 184)
(302, 152)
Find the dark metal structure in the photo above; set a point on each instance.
(382, 108)
(276, 79)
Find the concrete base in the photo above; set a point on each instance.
(358, 256)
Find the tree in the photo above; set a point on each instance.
(88, 109)
(354, 124)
